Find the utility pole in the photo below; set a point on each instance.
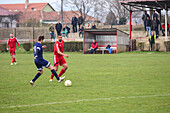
(61, 11)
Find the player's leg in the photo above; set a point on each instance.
(65, 67)
(36, 77)
(56, 63)
(52, 76)
(55, 74)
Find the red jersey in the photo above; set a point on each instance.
(59, 46)
(94, 45)
(12, 42)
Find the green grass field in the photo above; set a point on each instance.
(117, 83)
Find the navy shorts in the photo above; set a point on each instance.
(40, 63)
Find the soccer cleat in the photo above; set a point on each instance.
(61, 79)
(12, 64)
(15, 63)
(50, 80)
(32, 83)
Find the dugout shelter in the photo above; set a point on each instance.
(118, 40)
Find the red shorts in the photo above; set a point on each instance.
(12, 51)
(58, 61)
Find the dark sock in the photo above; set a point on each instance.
(55, 74)
(36, 77)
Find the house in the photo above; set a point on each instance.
(7, 19)
(46, 7)
(43, 13)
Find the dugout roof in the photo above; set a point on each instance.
(104, 31)
(153, 4)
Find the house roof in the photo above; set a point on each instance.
(5, 12)
(41, 15)
(21, 7)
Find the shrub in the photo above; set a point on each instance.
(157, 46)
(50, 46)
(141, 45)
(3, 47)
(167, 45)
(27, 46)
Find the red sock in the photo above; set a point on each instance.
(52, 76)
(13, 60)
(61, 72)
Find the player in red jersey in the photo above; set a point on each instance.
(58, 58)
(12, 41)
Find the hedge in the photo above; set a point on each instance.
(167, 45)
(3, 48)
(68, 46)
(27, 46)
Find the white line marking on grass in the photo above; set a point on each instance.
(87, 100)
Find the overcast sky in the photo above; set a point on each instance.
(54, 3)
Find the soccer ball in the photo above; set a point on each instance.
(67, 83)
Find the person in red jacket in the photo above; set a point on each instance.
(94, 46)
(163, 29)
(12, 41)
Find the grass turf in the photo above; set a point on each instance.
(138, 79)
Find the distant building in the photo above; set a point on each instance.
(7, 19)
(42, 13)
(46, 7)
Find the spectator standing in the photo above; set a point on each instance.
(51, 29)
(155, 24)
(74, 23)
(81, 31)
(163, 29)
(148, 26)
(152, 41)
(80, 20)
(154, 15)
(93, 26)
(65, 31)
(58, 28)
(144, 18)
(94, 46)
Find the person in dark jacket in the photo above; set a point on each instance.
(94, 46)
(80, 20)
(152, 41)
(93, 26)
(155, 24)
(58, 28)
(74, 23)
(51, 29)
(144, 18)
(81, 31)
(154, 15)
(148, 26)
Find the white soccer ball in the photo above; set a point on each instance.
(67, 83)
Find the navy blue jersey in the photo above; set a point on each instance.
(38, 50)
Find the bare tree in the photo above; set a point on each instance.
(83, 6)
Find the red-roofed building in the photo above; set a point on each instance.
(7, 19)
(41, 13)
(46, 7)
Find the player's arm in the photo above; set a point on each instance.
(7, 45)
(37, 51)
(18, 44)
(62, 54)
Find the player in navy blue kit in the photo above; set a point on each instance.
(40, 62)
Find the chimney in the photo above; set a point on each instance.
(26, 4)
